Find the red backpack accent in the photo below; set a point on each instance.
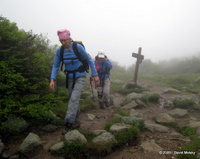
(97, 66)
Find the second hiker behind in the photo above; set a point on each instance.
(103, 67)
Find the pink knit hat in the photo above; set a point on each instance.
(63, 34)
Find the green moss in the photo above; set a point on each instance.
(192, 147)
(187, 131)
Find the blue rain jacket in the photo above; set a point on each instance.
(72, 65)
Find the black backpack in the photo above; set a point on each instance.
(82, 68)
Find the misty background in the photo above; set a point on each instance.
(164, 29)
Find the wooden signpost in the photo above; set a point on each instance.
(139, 61)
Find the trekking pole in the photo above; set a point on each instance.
(91, 86)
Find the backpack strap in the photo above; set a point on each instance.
(61, 57)
(75, 49)
(81, 59)
(76, 52)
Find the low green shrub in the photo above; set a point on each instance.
(86, 104)
(88, 134)
(154, 98)
(109, 124)
(122, 113)
(13, 126)
(100, 149)
(128, 136)
(73, 150)
(145, 99)
(191, 147)
(183, 103)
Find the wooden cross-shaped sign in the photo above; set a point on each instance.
(139, 61)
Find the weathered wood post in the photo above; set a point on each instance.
(139, 61)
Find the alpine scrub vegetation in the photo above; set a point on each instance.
(24, 69)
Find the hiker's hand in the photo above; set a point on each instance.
(104, 59)
(52, 84)
(96, 79)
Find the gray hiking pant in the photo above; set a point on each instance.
(105, 90)
(72, 113)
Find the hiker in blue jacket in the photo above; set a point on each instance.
(103, 67)
(76, 77)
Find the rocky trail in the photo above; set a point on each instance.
(96, 119)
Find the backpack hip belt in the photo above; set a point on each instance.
(80, 69)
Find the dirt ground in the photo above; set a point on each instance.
(168, 141)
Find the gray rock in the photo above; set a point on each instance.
(164, 118)
(103, 138)
(153, 127)
(2, 146)
(130, 119)
(170, 90)
(75, 136)
(133, 112)
(118, 127)
(57, 147)
(130, 97)
(178, 112)
(191, 97)
(129, 85)
(91, 117)
(140, 103)
(150, 146)
(198, 154)
(130, 105)
(98, 132)
(31, 145)
(194, 124)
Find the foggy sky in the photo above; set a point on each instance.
(163, 28)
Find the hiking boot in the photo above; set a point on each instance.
(76, 125)
(101, 105)
(68, 127)
(106, 104)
